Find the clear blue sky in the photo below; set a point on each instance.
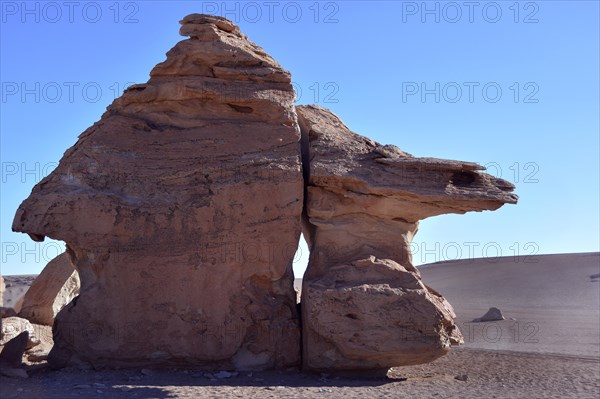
(514, 85)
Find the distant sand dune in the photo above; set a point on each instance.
(555, 300)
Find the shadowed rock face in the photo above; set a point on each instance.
(364, 306)
(181, 212)
(12, 353)
(182, 208)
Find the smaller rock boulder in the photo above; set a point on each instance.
(371, 315)
(51, 291)
(494, 314)
(40, 352)
(14, 326)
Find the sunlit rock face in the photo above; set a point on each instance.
(182, 208)
(52, 290)
(364, 305)
(181, 212)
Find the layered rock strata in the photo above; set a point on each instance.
(364, 305)
(180, 209)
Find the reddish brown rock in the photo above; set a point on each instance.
(52, 290)
(180, 209)
(181, 212)
(364, 306)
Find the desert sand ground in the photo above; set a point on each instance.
(555, 300)
(490, 375)
(551, 350)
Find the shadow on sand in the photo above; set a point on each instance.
(158, 384)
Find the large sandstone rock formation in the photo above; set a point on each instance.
(51, 291)
(180, 209)
(364, 306)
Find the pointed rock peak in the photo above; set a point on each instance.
(195, 25)
(217, 49)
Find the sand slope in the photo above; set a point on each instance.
(555, 300)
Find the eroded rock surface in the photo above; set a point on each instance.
(52, 290)
(364, 306)
(14, 326)
(180, 209)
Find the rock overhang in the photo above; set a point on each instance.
(212, 150)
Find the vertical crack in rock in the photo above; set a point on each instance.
(364, 306)
(181, 211)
